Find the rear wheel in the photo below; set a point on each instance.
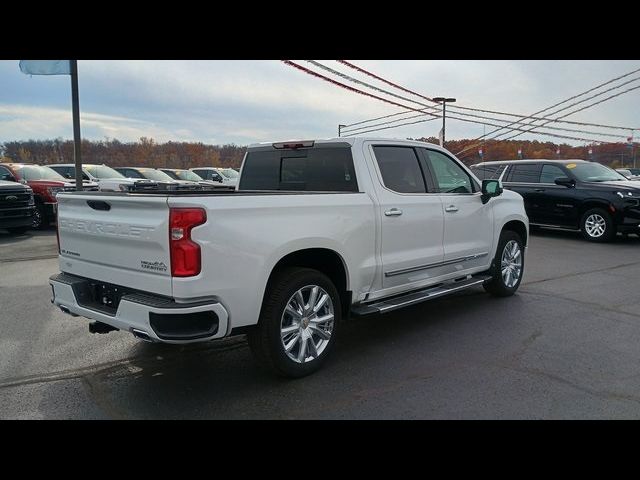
(298, 322)
(508, 265)
(597, 225)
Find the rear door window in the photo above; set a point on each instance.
(318, 169)
(488, 172)
(529, 173)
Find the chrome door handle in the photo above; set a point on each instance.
(394, 212)
(451, 208)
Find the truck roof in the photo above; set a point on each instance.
(349, 140)
(532, 160)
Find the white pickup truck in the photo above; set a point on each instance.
(315, 231)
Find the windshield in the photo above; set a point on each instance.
(188, 175)
(228, 172)
(102, 171)
(157, 175)
(35, 172)
(594, 172)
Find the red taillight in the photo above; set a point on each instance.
(185, 253)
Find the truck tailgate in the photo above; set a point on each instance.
(118, 239)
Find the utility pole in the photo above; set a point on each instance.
(75, 108)
(444, 101)
(340, 129)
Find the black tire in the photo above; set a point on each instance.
(609, 227)
(497, 286)
(265, 339)
(39, 218)
(18, 230)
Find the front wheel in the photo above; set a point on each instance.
(597, 225)
(38, 219)
(508, 265)
(298, 322)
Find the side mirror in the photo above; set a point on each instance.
(565, 182)
(7, 177)
(490, 188)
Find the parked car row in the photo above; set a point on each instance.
(571, 194)
(43, 183)
(630, 173)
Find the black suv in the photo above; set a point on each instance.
(16, 207)
(571, 194)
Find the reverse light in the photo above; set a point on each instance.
(185, 253)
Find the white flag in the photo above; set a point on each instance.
(45, 67)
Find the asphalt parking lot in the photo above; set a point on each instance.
(565, 347)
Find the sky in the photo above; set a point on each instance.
(242, 102)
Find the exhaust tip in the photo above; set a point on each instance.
(66, 310)
(142, 335)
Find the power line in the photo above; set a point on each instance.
(362, 70)
(368, 85)
(577, 103)
(494, 119)
(347, 77)
(584, 108)
(353, 89)
(392, 126)
(492, 125)
(520, 115)
(565, 115)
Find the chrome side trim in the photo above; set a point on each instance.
(393, 273)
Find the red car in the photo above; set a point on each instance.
(45, 184)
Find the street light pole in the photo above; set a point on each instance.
(444, 101)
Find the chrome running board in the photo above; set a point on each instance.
(414, 297)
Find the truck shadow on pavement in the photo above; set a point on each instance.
(6, 237)
(31, 245)
(221, 381)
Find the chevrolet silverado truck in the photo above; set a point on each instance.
(16, 207)
(315, 232)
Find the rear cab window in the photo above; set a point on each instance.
(321, 168)
(400, 169)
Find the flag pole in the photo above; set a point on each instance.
(75, 107)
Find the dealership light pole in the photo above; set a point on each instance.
(444, 101)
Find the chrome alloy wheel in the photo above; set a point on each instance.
(595, 225)
(307, 323)
(511, 264)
